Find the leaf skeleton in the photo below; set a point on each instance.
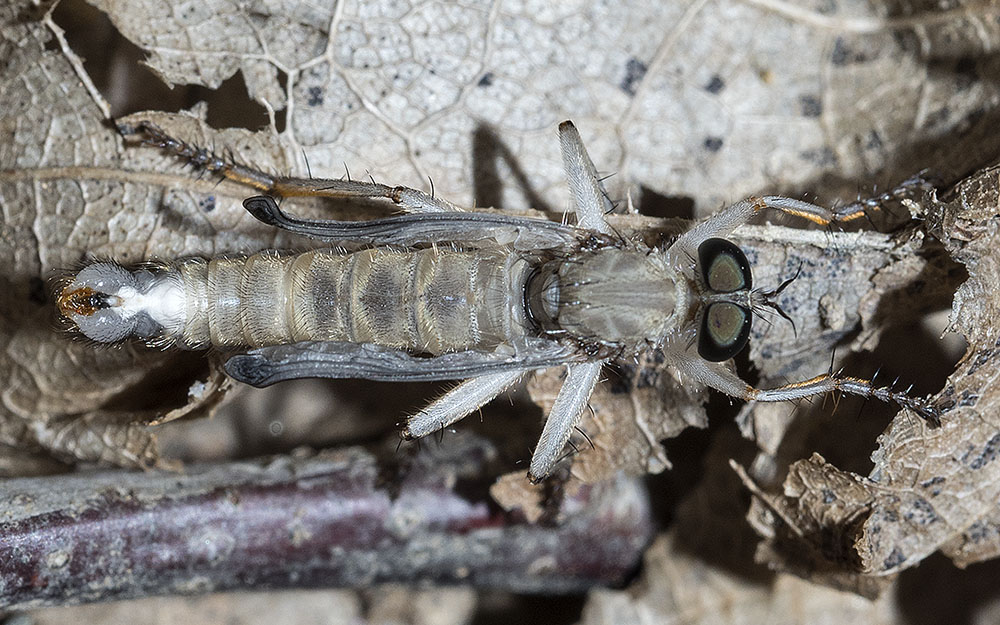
(438, 293)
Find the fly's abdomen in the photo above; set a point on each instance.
(427, 300)
(236, 302)
(431, 301)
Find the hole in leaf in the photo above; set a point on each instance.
(653, 204)
(115, 65)
(281, 116)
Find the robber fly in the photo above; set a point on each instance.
(439, 293)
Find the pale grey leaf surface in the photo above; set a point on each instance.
(711, 100)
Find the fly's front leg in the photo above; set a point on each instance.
(830, 382)
(734, 216)
(730, 218)
(407, 199)
(913, 187)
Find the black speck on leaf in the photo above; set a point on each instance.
(874, 140)
(843, 54)
(635, 70)
(810, 106)
(315, 96)
(895, 559)
(713, 144)
(715, 84)
(824, 157)
(921, 513)
(988, 454)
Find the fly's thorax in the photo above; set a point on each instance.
(617, 296)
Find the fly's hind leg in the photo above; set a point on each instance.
(467, 397)
(430, 219)
(405, 198)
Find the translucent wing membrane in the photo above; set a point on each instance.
(326, 359)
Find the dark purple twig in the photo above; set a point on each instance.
(316, 522)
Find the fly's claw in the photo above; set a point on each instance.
(926, 411)
(922, 182)
(153, 135)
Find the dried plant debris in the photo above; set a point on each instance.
(701, 569)
(930, 489)
(679, 587)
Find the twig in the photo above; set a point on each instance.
(291, 522)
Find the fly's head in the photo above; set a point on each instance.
(724, 300)
(727, 300)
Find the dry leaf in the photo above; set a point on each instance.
(701, 100)
(930, 489)
(681, 588)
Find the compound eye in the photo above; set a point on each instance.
(724, 266)
(725, 330)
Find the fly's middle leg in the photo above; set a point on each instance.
(456, 404)
(719, 377)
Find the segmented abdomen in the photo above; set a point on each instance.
(428, 300)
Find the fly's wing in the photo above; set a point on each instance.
(417, 229)
(327, 359)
